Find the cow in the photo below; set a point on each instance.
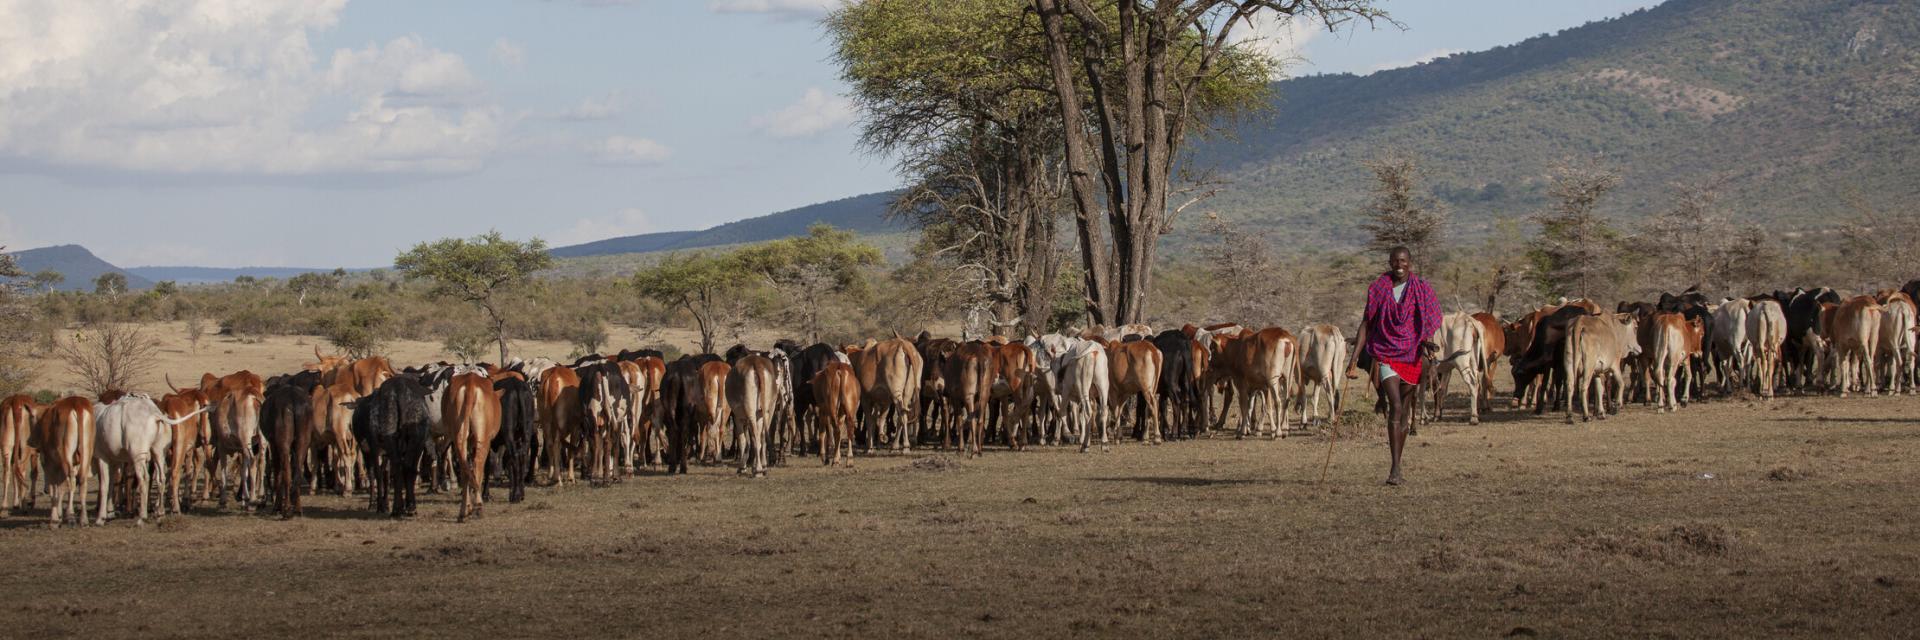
(1085, 377)
(286, 415)
(1676, 342)
(16, 458)
(934, 354)
(1462, 346)
(393, 426)
(1855, 332)
(513, 444)
(1047, 406)
(1545, 356)
(889, 374)
(1639, 368)
(63, 435)
(1012, 390)
(1260, 366)
(1802, 310)
(236, 400)
(603, 415)
(682, 394)
(558, 405)
(131, 434)
(713, 411)
(1594, 347)
(643, 382)
(806, 365)
(332, 415)
(1493, 345)
(837, 407)
(1766, 332)
(1134, 372)
(1731, 351)
(1896, 347)
(1181, 401)
(470, 418)
(968, 389)
(751, 399)
(1323, 359)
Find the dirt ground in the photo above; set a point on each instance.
(1795, 517)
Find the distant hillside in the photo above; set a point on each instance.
(1794, 101)
(865, 214)
(77, 264)
(215, 275)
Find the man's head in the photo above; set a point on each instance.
(1399, 262)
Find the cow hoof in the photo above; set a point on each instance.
(1473, 421)
(1569, 419)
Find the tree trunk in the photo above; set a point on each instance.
(1093, 256)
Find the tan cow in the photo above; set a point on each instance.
(64, 437)
(1134, 372)
(333, 429)
(235, 431)
(1493, 343)
(1595, 347)
(16, 458)
(713, 411)
(889, 374)
(1855, 330)
(750, 397)
(469, 419)
(1766, 333)
(836, 397)
(1462, 345)
(1896, 347)
(1676, 342)
(1260, 366)
(559, 400)
(1323, 355)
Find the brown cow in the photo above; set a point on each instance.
(1013, 388)
(190, 446)
(1134, 371)
(750, 396)
(1675, 343)
(559, 400)
(364, 374)
(969, 389)
(1260, 367)
(1855, 331)
(235, 431)
(889, 373)
(469, 418)
(713, 411)
(1494, 340)
(333, 429)
(16, 458)
(646, 408)
(836, 397)
(64, 437)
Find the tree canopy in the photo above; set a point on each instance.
(477, 270)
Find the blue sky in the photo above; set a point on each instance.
(336, 132)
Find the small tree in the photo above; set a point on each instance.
(311, 282)
(1241, 263)
(809, 268)
(47, 279)
(699, 283)
(481, 271)
(1692, 241)
(467, 344)
(360, 332)
(1576, 253)
(586, 335)
(109, 356)
(111, 283)
(196, 328)
(1396, 216)
(16, 325)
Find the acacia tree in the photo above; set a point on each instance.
(700, 283)
(481, 271)
(1576, 253)
(111, 283)
(1397, 215)
(809, 268)
(1154, 74)
(47, 279)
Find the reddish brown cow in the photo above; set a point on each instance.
(1134, 371)
(1495, 344)
(1013, 367)
(64, 437)
(469, 418)
(836, 396)
(713, 411)
(16, 458)
(1261, 368)
(969, 389)
(190, 442)
(559, 399)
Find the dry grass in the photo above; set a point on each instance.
(1643, 525)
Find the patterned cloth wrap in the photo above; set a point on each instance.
(1395, 329)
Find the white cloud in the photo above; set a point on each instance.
(816, 112)
(1423, 58)
(509, 54)
(1278, 36)
(625, 222)
(601, 108)
(793, 9)
(626, 150)
(226, 86)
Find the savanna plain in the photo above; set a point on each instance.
(1731, 517)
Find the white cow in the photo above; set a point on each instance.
(1766, 333)
(1462, 343)
(1323, 360)
(1080, 368)
(1732, 349)
(133, 433)
(1046, 388)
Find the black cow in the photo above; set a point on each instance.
(1546, 355)
(1178, 387)
(513, 445)
(393, 428)
(680, 397)
(1912, 289)
(595, 434)
(626, 355)
(286, 416)
(1803, 316)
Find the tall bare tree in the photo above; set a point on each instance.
(109, 356)
(1133, 81)
(1692, 241)
(1398, 215)
(1576, 253)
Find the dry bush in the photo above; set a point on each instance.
(109, 356)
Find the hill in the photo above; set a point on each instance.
(1795, 102)
(77, 264)
(865, 214)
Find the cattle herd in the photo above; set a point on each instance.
(347, 425)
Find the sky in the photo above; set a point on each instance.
(325, 133)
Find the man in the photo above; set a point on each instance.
(1396, 335)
